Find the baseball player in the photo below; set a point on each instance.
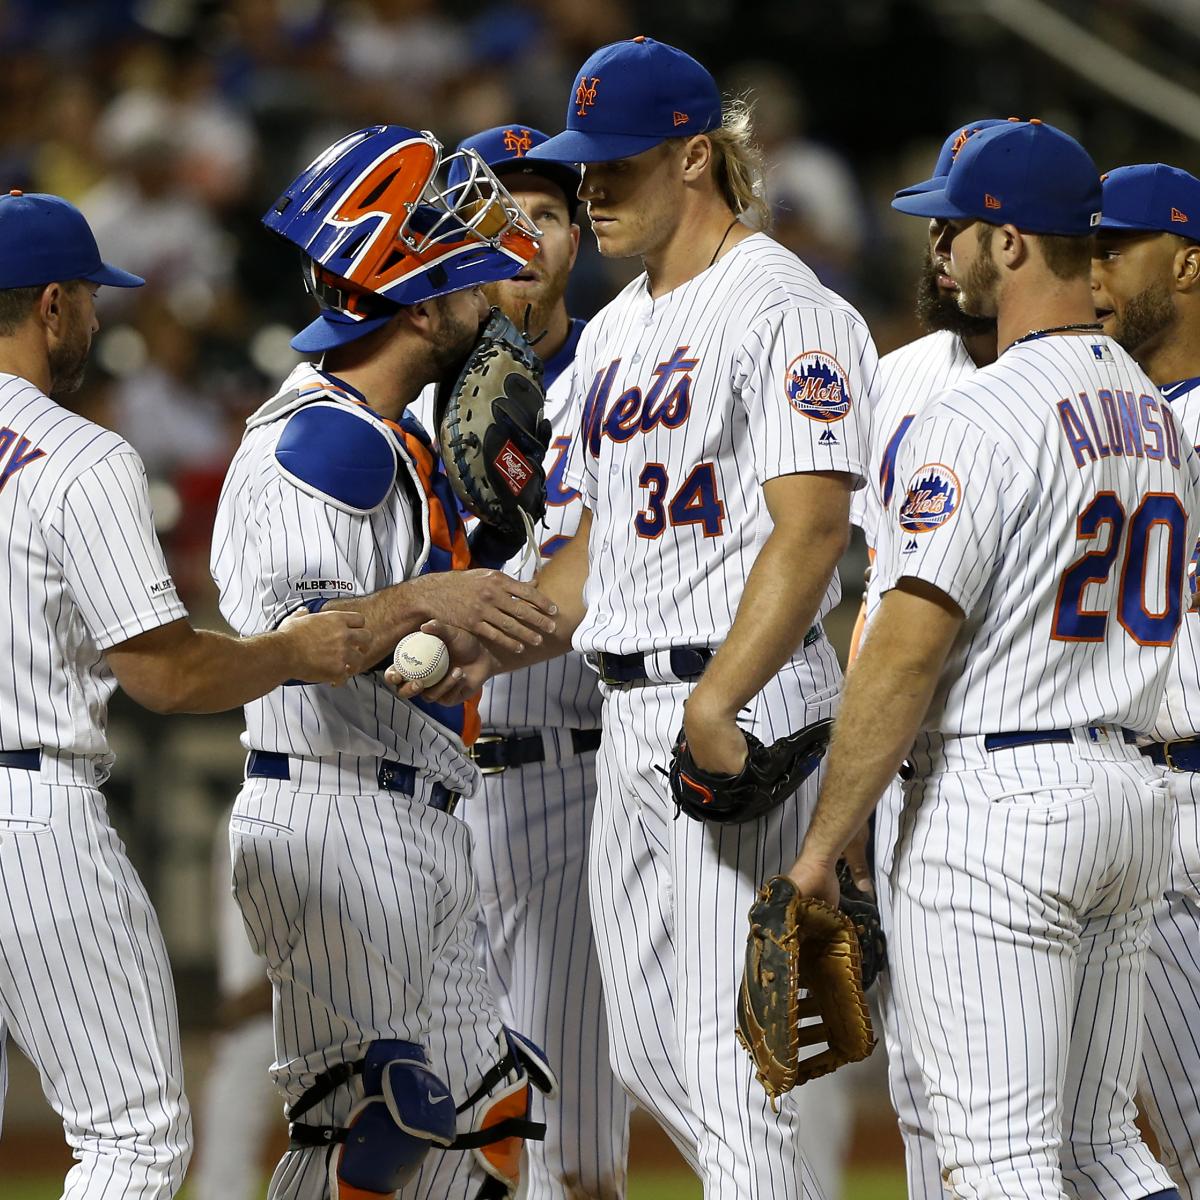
(726, 399)
(1032, 567)
(956, 345)
(1146, 281)
(537, 753)
(85, 987)
(351, 871)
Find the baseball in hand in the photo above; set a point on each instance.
(422, 658)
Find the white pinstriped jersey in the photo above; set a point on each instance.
(1179, 716)
(564, 692)
(692, 401)
(1049, 496)
(275, 547)
(908, 378)
(84, 570)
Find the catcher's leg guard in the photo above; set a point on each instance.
(406, 1110)
(500, 1123)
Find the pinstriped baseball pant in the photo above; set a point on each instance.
(1170, 1083)
(364, 908)
(86, 991)
(669, 902)
(531, 826)
(1023, 887)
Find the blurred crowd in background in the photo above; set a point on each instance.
(174, 124)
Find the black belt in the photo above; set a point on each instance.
(496, 752)
(392, 776)
(21, 760)
(1037, 737)
(1183, 754)
(687, 662)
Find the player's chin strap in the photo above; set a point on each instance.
(407, 1110)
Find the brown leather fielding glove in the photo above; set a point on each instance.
(800, 944)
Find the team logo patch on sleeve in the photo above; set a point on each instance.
(932, 499)
(815, 385)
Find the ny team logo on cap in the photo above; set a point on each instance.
(933, 498)
(816, 387)
(585, 95)
(518, 142)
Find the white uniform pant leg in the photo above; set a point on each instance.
(350, 900)
(631, 901)
(905, 1086)
(707, 877)
(1170, 1083)
(1023, 914)
(86, 991)
(531, 827)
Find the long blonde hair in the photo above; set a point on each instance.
(738, 166)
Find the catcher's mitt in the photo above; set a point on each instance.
(800, 943)
(768, 777)
(491, 431)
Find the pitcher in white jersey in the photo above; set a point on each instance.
(956, 345)
(91, 604)
(726, 399)
(540, 729)
(351, 870)
(1146, 279)
(1032, 568)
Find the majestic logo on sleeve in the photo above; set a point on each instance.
(816, 386)
(585, 95)
(933, 498)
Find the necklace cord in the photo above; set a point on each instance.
(721, 243)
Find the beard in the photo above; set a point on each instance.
(69, 358)
(979, 283)
(1144, 319)
(540, 302)
(937, 310)
(455, 337)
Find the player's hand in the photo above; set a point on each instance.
(713, 737)
(855, 855)
(499, 610)
(326, 647)
(816, 879)
(471, 666)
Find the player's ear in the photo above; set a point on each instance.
(1010, 245)
(574, 232)
(697, 157)
(420, 317)
(1187, 268)
(52, 305)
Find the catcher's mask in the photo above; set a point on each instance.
(378, 229)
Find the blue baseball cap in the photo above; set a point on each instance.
(632, 96)
(1152, 197)
(1022, 173)
(949, 152)
(506, 150)
(46, 239)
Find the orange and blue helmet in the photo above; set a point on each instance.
(379, 231)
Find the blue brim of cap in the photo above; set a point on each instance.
(574, 146)
(114, 277)
(1134, 226)
(932, 203)
(919, 189)
(331, 330)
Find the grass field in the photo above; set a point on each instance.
(866, 1184)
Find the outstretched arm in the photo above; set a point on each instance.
(888, 692)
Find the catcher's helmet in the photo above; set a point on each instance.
(379, 231)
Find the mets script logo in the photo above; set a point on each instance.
(816, 386)
(585, 95)
(518, 141)
(933, 498)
